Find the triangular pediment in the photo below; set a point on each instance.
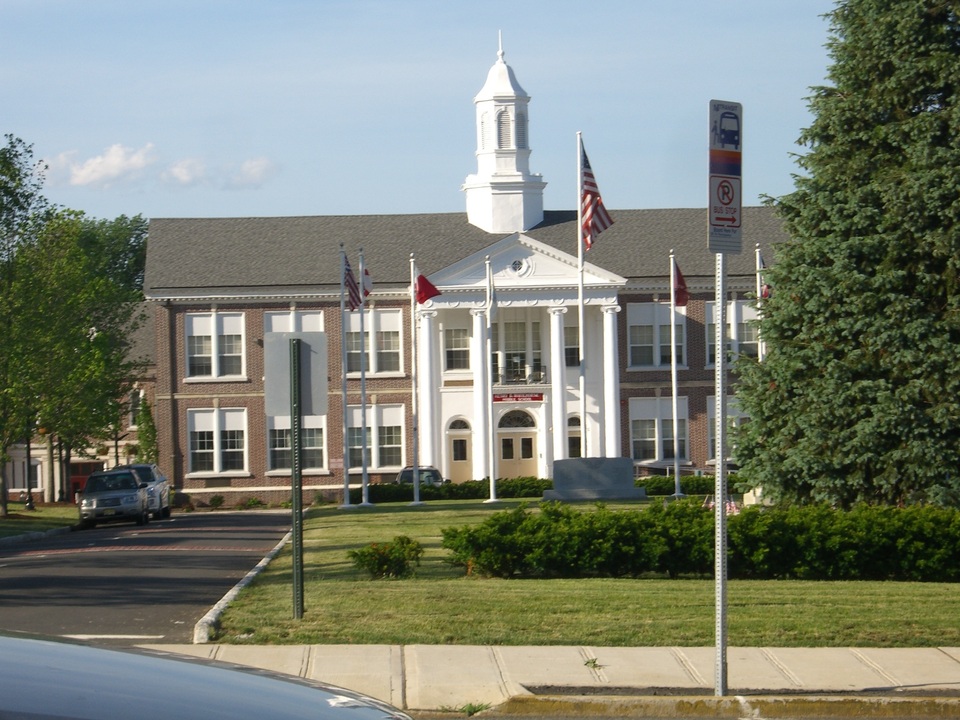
(525, 271)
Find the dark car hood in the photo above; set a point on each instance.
(46, 680)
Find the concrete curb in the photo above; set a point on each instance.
(735, 706)
(207, 626)
(32, 536)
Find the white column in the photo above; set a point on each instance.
(428, 381)
(558, 384)
(480, 364)
(611, 382)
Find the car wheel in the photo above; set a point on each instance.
(142, 518)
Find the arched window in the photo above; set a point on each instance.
(522, 131)
(574, 442)
(504, 135)
(517, 419)
(459, 425)
(485, 131)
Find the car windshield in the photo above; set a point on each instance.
(106, 483)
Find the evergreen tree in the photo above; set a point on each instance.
(858, 397)
(147, 448)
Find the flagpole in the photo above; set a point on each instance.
(759, 265)
(673, 375)
(343, 376)
(414, 402)
(580, 303)
(488, 345)
(364, 476)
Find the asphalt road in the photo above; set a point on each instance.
(128, 585)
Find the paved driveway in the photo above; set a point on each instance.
(126, 585)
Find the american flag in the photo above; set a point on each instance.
(593, 215)
(350, 282)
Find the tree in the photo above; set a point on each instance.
(147, 449)
(22, 212)
(77, 313)
(858, 396)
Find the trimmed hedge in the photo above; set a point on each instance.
(523, 487)
(916, 543)
(689, 484)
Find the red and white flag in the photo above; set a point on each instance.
(680, 295)
(594, 218)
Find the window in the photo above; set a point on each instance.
(571, 346)
(135, 402)
(651, 429)
(380, 344)
(459, 450)
(456, 348)
(293, 321)
(311, 443)
(385, 424)
(574, 443)
(521, 131)
(504, 139)
(217, 440)
(742, 332)
(648, 335)
(520, 354)
(215, 344)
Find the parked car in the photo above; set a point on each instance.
(61, 681)
(112, 495)
(428, 476)
(158, 487)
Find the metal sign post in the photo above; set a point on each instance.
(302, 392)
(725, 214)
(296, 476)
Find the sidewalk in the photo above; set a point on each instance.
(651, 681)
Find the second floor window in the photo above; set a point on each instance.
(456, 349)
(379, 347)
(648, 335)
(215, 345)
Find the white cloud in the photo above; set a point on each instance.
(115, 163)
(189, 171)
(252, 173)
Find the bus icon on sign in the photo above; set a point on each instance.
(728, 132)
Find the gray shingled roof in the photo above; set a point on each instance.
(191, 256)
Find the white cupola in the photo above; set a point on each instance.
(503, 196)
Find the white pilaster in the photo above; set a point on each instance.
(611, 382)
(558, 384)
(428, 384)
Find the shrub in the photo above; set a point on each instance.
(689, 484)
(388, 560)
(216, 501)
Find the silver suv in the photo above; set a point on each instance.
(158, 487)
(428, 476)
(112, 495)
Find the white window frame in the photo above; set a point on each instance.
(656, 316)
(217, 421)
(378, 417)
(215, 325)
(448, 347)
(740, 315)
(309, 422)
(293, 320)
(660, 411)
(376, 322)
(136, 403)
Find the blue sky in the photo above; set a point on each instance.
(226, 108)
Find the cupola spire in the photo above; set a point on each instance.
(503, 196)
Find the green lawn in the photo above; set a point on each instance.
(45, 517)
(441, 605)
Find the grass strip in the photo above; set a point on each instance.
(440, 605)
